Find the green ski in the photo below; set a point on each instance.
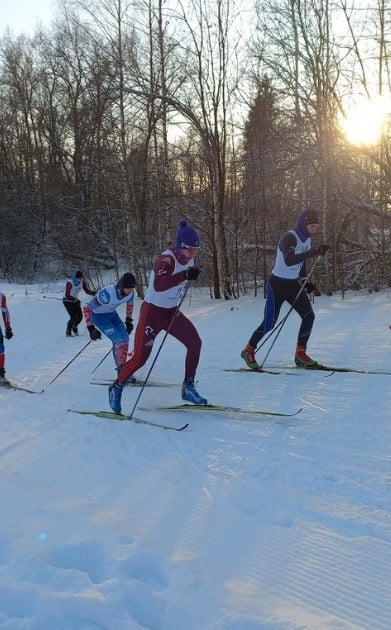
(260, 371)
(19, 388)
(223, 408)
(107, 382)
(328, 368)
(110, 415)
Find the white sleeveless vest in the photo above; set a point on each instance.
(281, 269)
(108, 299)
(170, 297)
(76, 288)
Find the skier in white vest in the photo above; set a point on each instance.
(171, 271)
(8, 334)
(72, 303)
(100, 314)
(283, 284)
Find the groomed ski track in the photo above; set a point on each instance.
(277, 524)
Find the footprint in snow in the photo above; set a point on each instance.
(147, 568)
(86, 557)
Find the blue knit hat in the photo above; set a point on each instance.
(186, 236)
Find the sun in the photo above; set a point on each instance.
(364, 121)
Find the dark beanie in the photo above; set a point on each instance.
(78, 274)
(311, 215)
(186, 236)
(128, 280)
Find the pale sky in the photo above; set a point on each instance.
(22, 16)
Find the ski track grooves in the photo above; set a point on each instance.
(326, 572)
(10, 450)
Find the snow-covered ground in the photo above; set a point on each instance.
(237, 523)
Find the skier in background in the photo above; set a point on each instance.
(72, 303)
(8, 335)
(100, 313)
(284, 284)
(171, 271)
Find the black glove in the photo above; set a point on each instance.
(310, 287)
(322, 249)
(8, 333)
(192, 273)
(95, 334)
(78, 302)
(129, 325)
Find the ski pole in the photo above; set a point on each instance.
(49, 297)
(270, 334)
(101, 361)
(69, 362)
(130, 416)
(281, 324)
(283, 320)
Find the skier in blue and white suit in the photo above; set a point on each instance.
(101, 312)
(293, 250)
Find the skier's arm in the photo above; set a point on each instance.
(287, 246)
(130, 305)
(87, 312)
(87, 289)
(68, 296)
(164, 276)
(5, 312)
(6, 317)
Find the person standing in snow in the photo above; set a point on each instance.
(72, 303)
(159, 311)
(284, 284)
(100, 315)
(8, 335)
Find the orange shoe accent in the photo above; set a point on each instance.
(302, 359)
(248, 355)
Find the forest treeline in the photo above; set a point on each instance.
(123, 118)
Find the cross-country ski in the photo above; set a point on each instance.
(137, 383)
(109, 415)
(227, 409)
(328, 368)
(260, 370)
(19, 388)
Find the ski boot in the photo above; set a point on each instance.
(68, 332)
(302, 359)
(190, 394)
(248, 355)
(75, 331)
(3, 379)
(115, 394)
